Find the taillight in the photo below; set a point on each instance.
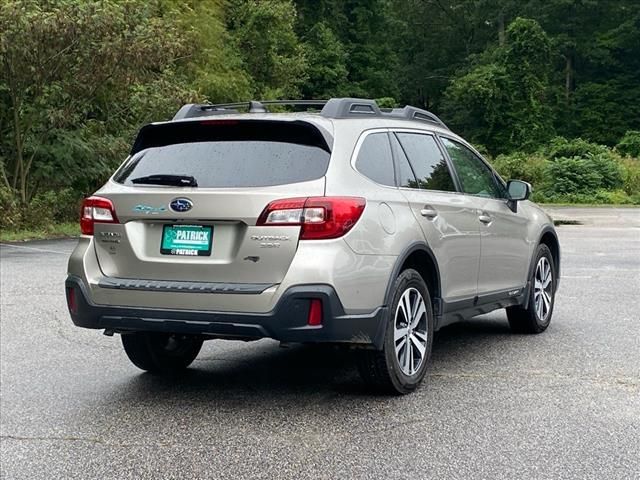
(319, 217)
(96, 210)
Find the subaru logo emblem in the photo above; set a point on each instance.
(181, 205)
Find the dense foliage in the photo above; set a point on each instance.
(79, 77)
(575, 171)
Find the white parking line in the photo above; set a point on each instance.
(34, 248)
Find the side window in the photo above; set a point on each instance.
(406, 177)
(374, 159)
(427, 161)
(476, 178)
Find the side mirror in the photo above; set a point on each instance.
(518, 190)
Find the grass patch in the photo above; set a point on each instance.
(587, 205)
(59, 230)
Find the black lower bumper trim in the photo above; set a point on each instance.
(287, 322)
(178, 286)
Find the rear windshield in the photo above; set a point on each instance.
(229, 153)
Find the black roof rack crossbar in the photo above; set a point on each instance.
(258, 104)
(192, 110)
(332, 108)
(199, 110)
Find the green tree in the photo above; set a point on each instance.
(327, 63)
(373, 63)
(504, 101)
(68, 71)
(527, 60)
(630, 144)
(270, 49)
(596, 67)
(366, 31)
(436, 38)
(214, 67)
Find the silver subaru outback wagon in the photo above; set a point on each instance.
(351, 225)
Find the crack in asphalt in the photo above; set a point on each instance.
(94, 440)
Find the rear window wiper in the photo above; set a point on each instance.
(171, 180)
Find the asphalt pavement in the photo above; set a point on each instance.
(561, 405)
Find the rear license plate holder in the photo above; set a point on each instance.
(187, 240)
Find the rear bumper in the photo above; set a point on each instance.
(287, 322)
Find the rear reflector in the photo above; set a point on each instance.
(315, 312)
(71, 300)
(96, 210)
(320, 217)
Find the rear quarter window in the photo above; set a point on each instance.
(375, 160)
(229, 153)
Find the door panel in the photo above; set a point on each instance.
(453, 235)
(503, 233)
(448, 219)
(505, 250)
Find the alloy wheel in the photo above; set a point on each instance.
(410, 331)
(543, 289)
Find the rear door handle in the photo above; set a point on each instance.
(484, 218)
(428, 212)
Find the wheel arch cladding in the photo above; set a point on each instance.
(549, 238)
(419, 257)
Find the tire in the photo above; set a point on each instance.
(161, 352)
(536, 316)
(390, 370)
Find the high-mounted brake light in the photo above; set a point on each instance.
(219, 122)
(96, 210)
(321, 218)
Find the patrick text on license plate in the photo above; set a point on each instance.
(188, 240)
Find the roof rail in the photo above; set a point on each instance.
(332, 108)
(349, 107)
(414, 113)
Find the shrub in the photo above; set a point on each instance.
(10, 217)
(521, 166)
(630, 144)
(45, 209)
(579, 167)
(617, 197)
(599, 197)
(608, 166)
(51, 207)
(561, 147)
(570, 176)
(631, 176)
